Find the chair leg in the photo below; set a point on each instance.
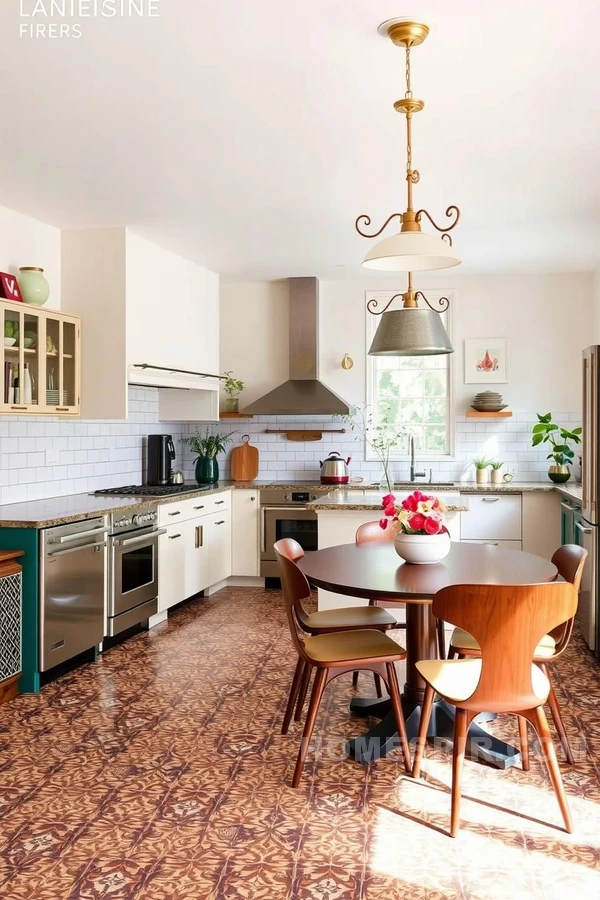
(303, 691)
(377, 681)
(540, 723)
(441, 638)
(293, 695)
(461, 725)
(558, 722)
(394, 688)
(524, 742)
(313, 708)
(355, 680)
(423, 726)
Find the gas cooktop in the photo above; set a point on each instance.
(152, 490)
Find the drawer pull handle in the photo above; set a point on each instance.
(222, 522)
(178, 513)
(62, 409)
(219, 502)
(491, 543)
(19, 407)
(172, 537)
(199, 536)
(490, 499)
(198, 507)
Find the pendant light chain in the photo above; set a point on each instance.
(412, 176)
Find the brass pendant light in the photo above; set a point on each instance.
(411, 250)
(412, 330)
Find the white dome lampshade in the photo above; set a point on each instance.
(411, 251)
(411, 331)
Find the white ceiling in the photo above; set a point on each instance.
(249, 135)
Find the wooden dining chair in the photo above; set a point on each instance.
(332, 654)
(570, 561)
(327, 621)
(508, 622)
(371, 532)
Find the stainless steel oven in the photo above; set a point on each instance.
(284, 515)
(132, 568)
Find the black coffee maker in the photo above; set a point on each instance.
(161, 453)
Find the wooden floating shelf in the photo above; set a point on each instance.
(226, 415)
(473, 414)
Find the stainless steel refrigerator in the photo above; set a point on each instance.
(588, 522)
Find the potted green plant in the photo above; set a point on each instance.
(206, 447)
(548, 432)
(481, 466)
(233, 387)
(496, 466)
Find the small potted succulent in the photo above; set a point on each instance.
(481, 466)
(547, 432)
(233, 387)
(496, 467)
(206, 447)
(421, 535)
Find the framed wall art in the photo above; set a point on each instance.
(9, 287)
(486, 361)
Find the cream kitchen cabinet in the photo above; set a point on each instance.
(195, 551)
(133, 297)
(218, 534)
(40, 366)
(245, 533)
(172, 551)
(492, 517)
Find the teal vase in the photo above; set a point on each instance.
(207, 470)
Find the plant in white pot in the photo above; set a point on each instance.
(496, 467)
(481, 466)
(421, 535)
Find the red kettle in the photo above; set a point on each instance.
(334, 469)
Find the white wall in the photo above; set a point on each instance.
(27, 242)
(547, 320)
(179, 295)
(253, 324)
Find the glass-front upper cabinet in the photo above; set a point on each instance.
(40, 361)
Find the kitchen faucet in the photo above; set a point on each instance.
(411, 450)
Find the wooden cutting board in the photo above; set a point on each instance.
(244, 461)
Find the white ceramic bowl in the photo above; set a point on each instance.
(422, 549)
(10, 342)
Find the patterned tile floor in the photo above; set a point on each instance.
(160, 773)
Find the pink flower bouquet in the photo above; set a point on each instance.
(417, 514)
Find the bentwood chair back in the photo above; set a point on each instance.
(372, 532)
(507, 621)
(295, 589)
(333, 654)
(570, 561)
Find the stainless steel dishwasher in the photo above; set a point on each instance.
(72, 589)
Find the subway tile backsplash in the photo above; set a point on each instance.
(46, 457)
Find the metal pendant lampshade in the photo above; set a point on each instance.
(410, 332)
(411, 251)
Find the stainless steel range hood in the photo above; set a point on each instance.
(303, 394)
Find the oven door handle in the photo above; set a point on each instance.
(151, 532)
(90, 546)
(263, 519)
(78, 535)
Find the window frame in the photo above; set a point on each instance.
(372, 321)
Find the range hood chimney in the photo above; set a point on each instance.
(303, 394)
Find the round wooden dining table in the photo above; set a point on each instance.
(374, 571)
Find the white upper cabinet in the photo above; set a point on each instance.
(150, 317)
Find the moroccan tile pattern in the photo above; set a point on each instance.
(159, 773)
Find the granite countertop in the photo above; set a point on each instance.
(355, 495)
(367, 500)
(75, 507)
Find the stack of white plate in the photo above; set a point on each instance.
(488, 401)
(52, 398)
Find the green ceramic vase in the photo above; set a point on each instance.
(207, 470)
(34, 287)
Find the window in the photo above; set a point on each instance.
(412, 391)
